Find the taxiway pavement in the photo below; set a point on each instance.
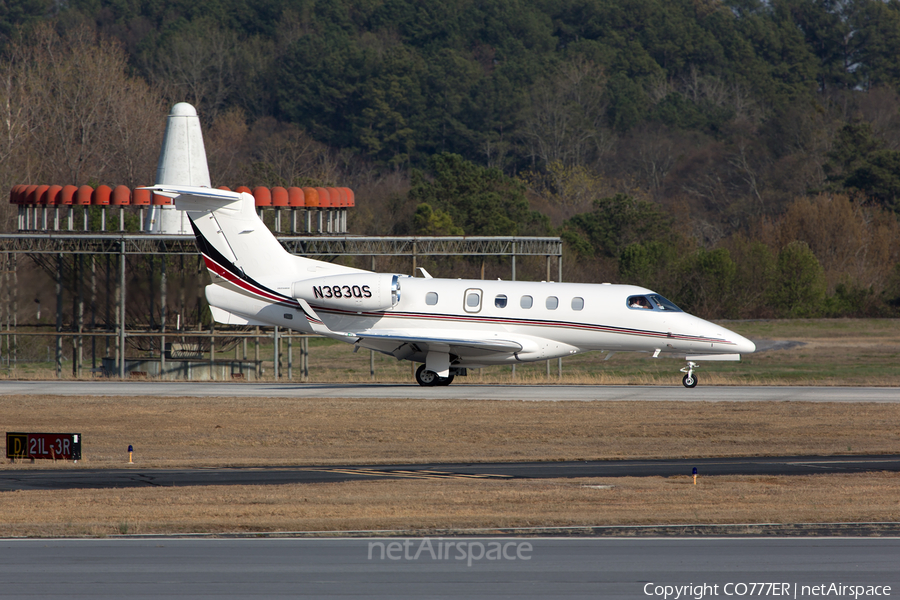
(80, 478)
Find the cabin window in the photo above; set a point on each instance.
(431, 298)
(526, 302)
(552, 302)
(500, 301)
(472, 302)
(577, 303)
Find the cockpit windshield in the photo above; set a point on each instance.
(651, 302)
(664, 304)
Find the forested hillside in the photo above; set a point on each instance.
(742, 157)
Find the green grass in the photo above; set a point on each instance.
(832, 352)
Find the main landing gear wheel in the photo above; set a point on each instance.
(426, 377)
(430, 378)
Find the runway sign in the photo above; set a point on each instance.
(54, 446)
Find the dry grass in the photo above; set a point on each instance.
(427, 506)
(193, 432)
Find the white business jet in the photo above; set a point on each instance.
(448, 325)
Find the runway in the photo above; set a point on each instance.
(528, 393)
(78, 478)
(457, 567)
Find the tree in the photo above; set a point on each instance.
(641, 263)
(876, 42)
(617, 222)
(860, 162)
(428, 221)
(196, 64)
(753, 278)
(563, 121)
(388, 126)
(16, 13)
(878, 177)
(482, 201)
(86, 117)
(828, 34)
(855, 242)
(799, 286)
(565, 191)
(709, 280)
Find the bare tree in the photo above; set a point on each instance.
(134, 135)
(563, 122)
(17, 163)
(226, 141)
(72, 80)
(196, 65)
(85, 118)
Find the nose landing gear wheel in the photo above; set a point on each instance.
(689, 380)
(426, 377)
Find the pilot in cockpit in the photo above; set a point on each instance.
(640, 302)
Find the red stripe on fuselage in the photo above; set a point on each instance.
(224, 273)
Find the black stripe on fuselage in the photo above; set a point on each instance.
(210, 251)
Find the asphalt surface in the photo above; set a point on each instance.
(79, 478)
(453, 567)
(459, 391)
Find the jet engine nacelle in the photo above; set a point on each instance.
(355, 291)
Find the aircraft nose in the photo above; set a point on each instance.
(743, 345)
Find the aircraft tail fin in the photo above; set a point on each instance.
(237, 246)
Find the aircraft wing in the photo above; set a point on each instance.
(462, 343)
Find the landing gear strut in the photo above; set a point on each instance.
(690, 380)
(430, 378)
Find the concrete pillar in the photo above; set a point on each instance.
(277, 355)
(122, 309)
(59, 318)
(305, 355)
(256, 355)
(163, 312)
(212, 350)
